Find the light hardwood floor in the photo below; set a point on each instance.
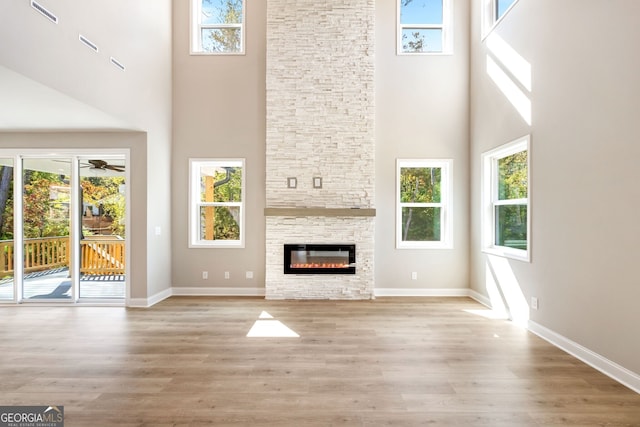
(392, 361)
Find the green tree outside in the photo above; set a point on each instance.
(223, 38)
(227, 188)
(421, 185)
(511, 219)
(104, 192)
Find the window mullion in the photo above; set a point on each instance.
(204, 215)
(221, 42)
(506, 222)
(423, 225)
(421, 205)
(421, 29)
(422, 26)
(216, 26)
(510, 202)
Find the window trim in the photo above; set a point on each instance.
(489, 16)
(489, 196)
(446, 204)
(446, 27)
(195, 39)
(194, 203)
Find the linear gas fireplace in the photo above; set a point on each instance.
(319, 259)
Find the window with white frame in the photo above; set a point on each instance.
(217, 26)
(493, 11)
(424, 205)
(216, 202)
(506, 186)
(424, 27)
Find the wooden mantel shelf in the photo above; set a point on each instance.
(301, 212)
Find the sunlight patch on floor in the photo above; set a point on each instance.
(489, 314)
(268, 327)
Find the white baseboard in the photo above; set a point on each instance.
(137, 302)
(260, 292)
(602, 364)
(408, 292)
(233, 292)
(480, 298)
(148, 302)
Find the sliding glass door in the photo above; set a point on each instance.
(7, 259)
(63, 227)
(46, 228)
(102, 240)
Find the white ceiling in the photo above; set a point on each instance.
(28, 105)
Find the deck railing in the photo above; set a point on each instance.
(102, 255)
(98, 255)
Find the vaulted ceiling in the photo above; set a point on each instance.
(28, 105)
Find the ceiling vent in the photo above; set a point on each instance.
(117, 63)
(88, 43)
(50, 16)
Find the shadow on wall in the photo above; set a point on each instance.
(504, 291)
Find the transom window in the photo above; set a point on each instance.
(501, 7)
(216, 203)
(424, 214)
(492, 12)
(506, 218)
(217, 26)
(424, 26)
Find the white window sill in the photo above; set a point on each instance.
(515, 254)
(217, 53)
(217, 245)
(424, 53)
(424, 245)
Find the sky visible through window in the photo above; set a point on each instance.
(421, 12)
(217, 11)
(502, 6)
(220, 26)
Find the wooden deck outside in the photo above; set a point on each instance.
(99, 255)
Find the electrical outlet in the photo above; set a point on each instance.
(226, 275)
(249, 274)
(534, 303)
(205, 275)
(414, 275)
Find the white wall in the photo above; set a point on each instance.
(139, 36)
(219, 112)
(584, 152)
(421, 113)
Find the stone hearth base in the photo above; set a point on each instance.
(281, 230)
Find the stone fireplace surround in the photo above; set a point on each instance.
(316, 230)
(320, 124)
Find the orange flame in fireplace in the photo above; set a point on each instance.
(319, 265)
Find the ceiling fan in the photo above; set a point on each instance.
(96, 164)
(102, 165)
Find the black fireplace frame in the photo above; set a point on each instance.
(351, 269)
